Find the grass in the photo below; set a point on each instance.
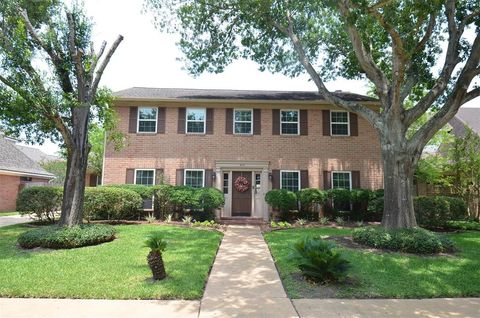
(8, 213)
(388, 275)
(115, 270)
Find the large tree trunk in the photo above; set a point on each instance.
(398, 170)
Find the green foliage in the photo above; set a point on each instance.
(412, 240)
(281, 225)
(339, 220)
(281, 199)
(162, 201)
(463, 225)
(309, 199)
(323, 220)
(431, 170)
(319, 260)
(67, 237)
(155, 242)
(187, 219)
(435, 211)
(146, 192)
(301, 222)
(110, 203)
(150, 218)
(40, 202)
(205, 224)
(57, 168)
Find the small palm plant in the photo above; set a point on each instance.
(157, 245)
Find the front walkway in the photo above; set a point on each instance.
(13, 219)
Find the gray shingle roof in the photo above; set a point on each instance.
(224, 94)
(469, 116)
(14, 160)
(37, 155)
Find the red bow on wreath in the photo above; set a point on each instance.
(241, 184)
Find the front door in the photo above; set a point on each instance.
(241, 193)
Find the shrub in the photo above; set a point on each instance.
(146, 192)
(282, 200)
(340, 199)
(162, 200)
(413, 240)
(207, 200)
(110, 203)
(463, 225)
(40, 202)
(323, 220)
(301, 222)
(182, 198)
(319, 261)
(205, 224)
(308, 200)
(375, 209)
(150, 218)
(436, 211)
(67, 237)
(458, 208)
(339, 220)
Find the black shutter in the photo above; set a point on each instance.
(130, 177)
(179, 177)
(275, 122)
(275, 179)
(159, 176)
(355, 179)
(229, 121)
(257, 121)
(161, 120)
(208, 178)
(304, 179)
(132, 120)
(303, 122)
(326, 122)
(327, 180)
(353, 124)
(209, 121)
(181, 120)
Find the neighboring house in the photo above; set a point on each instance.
(37, 155)
(17, 170)
(271, 139)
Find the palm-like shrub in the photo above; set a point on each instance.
(157, 245)
(319, 261)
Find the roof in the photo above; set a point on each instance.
(13, 160)
(37, 155)
(228, 94)
(466, 116)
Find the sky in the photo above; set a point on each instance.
(149, 58)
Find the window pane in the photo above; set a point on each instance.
(243, 115)
(144, 177)
(225, 183)
(339, 129)
(147, 113)
(243, 128)
(195, 114)
(289, 129)
(341, 180)
(147, 126)
(290, 181)
(339, 117)
(289, 116)
(195, 127)
(194, 178)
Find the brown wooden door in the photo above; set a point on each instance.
(242, 201)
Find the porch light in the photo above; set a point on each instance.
(214, 176)
(270, 176)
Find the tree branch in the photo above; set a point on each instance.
(103, 65)
(76, 55)
(474, 93)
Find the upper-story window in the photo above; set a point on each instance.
(195, 120)
(289, 122)
(243, 121)
(145, 177)
(290, 180)
(194, 178)
(342, 180)
(339, 123)
(147, 119)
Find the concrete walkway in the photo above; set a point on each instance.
(13, 219)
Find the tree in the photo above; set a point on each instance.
(49, 85)
(394, 44)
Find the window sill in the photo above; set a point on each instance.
(146, 133)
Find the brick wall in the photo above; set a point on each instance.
(9, 186)
(315, 152)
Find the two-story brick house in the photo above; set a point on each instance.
(223, 138)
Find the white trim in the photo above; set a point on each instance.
(204, 121)
(251, 121)
(299, 178)
(27, 174)
(138, 120)
(348, 123)
(185, 176)
(135, 175)
(290, 122)
(342, 171)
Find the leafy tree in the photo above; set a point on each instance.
(49, 78)
(397, 45)
(57, 168)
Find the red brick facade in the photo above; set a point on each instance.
(10, 186)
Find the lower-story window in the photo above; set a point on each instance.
(290, 180)
(194, 178)
(145, 177)
(342, 180)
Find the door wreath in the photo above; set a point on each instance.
(241, 184)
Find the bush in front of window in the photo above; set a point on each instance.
(208, 200)
(146, 192)
(282, 200)
(40, 202)
(109, 203)
(309, 200)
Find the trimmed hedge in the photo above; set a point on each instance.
(282, 200)
(436, 211)
(309, 200)
(110, 203)
(40, 202)
(67, 237)
(146, 192)
(414, 240)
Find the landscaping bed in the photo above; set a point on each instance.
(114, 270)
(379, 274)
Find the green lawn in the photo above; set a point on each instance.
(389, 275)
(8, 213)
(115, 270)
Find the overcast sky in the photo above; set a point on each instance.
(146, 57)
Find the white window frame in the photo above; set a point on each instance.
(348, 123)
(185, 176)
(299, 178)
(154, 176)
(242, 121)
(204, 121)
(138, 121)
(340, 171)
(290, 122)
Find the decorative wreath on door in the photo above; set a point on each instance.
(241, 184)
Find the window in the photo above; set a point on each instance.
(225, 183)
(290, 180)
(145, 177)
(258, 182)
(289, 122)
(339, 123)
(242, 121)
(26, 179)
(196, 120)
(194, 178)
(147, 120)
(341, 180)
